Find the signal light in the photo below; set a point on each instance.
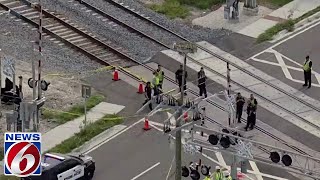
(275, 157)
(205, 170)
(286, 160)
(213, 139)
(195, 175)
(185, 171)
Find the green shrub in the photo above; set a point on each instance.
(171, 8)
(202, 4)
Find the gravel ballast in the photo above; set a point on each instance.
(139, 48)
(17, 41)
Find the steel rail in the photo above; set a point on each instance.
(232, 64)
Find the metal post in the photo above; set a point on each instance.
(85, 111)
(229, 89)
(178, 124)
(234, 158)
(39, 65)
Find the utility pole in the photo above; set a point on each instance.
(183, 48)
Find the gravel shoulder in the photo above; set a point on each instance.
(16, 41)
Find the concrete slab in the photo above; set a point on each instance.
(215, 19)
(295, 106)
(295, 8)
(67, 130)
(257, 28)
(222, 53)
(266, 92)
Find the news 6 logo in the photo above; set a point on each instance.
(22, 154)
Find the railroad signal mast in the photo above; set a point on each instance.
(225, 141)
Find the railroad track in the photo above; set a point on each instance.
(61, 28)
(175, 37)
(166, 44)
(69, 33)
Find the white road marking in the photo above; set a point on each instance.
(114, 136)
(286, 39)
(285, 68)
(255, 169)
(222, 163)
(139, 175)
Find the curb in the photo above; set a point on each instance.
(100, 138)
(301, 25)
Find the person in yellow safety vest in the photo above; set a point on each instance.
(160, 75)
(307, 72)
(226, 175)
(207, 177)
(251, 111)
(217, 175)
(155, 84)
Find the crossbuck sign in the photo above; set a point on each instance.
(185, 47)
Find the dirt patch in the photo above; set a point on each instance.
(62, 93)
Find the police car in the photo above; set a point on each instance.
(65, 167)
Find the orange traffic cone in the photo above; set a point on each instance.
(185, 116)
(140, 88)
(146, 125)
(115, 75)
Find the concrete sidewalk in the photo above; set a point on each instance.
(292, 10)
(67, 130)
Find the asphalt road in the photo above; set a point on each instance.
(291, 54)
(136, 151)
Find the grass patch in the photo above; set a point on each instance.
(269, 33)
(287, 25)
(80, 138)
(1, 153)
(172, 9)
(201, 4)
(3, 177)
(73, 112)
(274, 3)
(87, 133)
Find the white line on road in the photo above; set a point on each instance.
(114, 136)
(286, 39)
(255, 169)
(139, 175)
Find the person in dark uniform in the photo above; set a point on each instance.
(179, 74)
(148, 94)
(307, 72)
(202, 82)
(239, 102)
(251, 111)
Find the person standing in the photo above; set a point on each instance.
(179, 74)
(160, 75)
(202, 82)
(240, 103)
(155, 83)
(251, 111)
(148, 94)
(227, 175)
(307, 72)
(217, 175)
